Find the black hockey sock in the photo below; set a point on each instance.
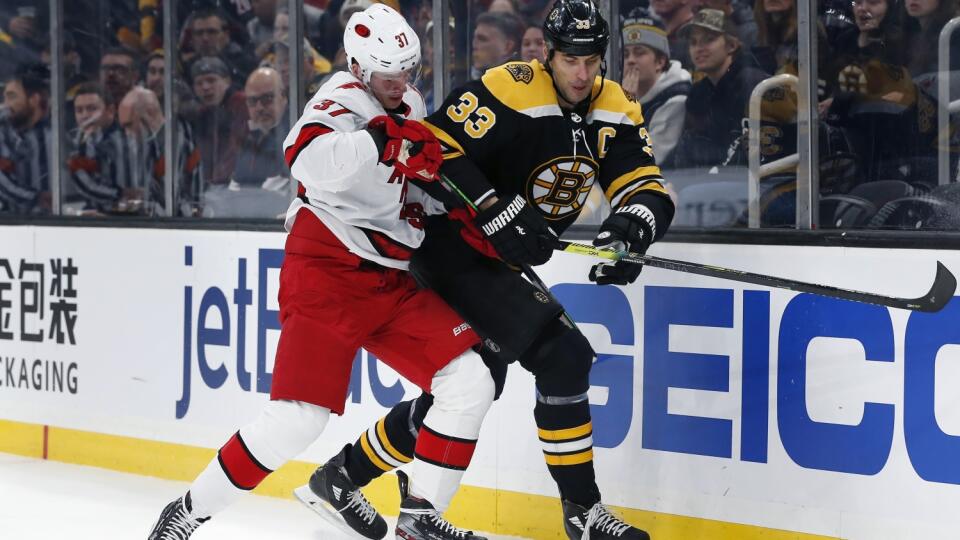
(389, 443)
(566, 434)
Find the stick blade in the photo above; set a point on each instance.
(941, 292)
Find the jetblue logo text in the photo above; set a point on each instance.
(232, 333)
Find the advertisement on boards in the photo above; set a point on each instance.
(710, 398)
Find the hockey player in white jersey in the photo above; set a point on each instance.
(344, 284)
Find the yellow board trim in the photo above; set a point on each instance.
(483, 509)
(570, 459)
(624, 179)
(367, 449)
(564, 434)
(385, 441)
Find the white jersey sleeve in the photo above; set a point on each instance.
(369, 206)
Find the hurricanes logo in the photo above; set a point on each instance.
(520, 72)
(561, 186)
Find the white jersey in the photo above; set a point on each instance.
(370, 207)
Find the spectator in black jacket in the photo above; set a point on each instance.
(717, 105)
(260, 162)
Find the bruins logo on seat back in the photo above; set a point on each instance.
(561, 186)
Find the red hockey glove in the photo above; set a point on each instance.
(471, 234)
(407, 145)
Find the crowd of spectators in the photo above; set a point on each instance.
(692, 64)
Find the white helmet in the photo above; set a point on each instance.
(380, 41)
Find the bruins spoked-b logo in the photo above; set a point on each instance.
(520, 72)
(561, 186)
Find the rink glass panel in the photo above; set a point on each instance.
(879, 153)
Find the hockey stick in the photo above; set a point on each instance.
(527, 270)
(940, 293)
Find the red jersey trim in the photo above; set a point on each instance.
(307, 134)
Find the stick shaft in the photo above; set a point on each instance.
(944, 283)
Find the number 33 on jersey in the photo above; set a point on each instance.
(517, 140)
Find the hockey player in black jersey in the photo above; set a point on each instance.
(525, 144)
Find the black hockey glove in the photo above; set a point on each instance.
(518, 232)
(629, 228)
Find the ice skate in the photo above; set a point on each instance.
(597, 523)
(176, 521)
(334, 496)
(419, 520)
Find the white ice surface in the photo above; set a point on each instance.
(46, 500)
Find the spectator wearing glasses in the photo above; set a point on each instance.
(219, 122)
(496, 40)
(209, 36)
(717, 105)
(260, 161)
(661, 84)
(118, 73)
(24, 142)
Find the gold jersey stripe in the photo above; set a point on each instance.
(615, 100)
(565, 434)
(624, 179)
(519, 95)
(651, 185)
(368, 450)
(447, 140)
(385, 441)
(569, 459)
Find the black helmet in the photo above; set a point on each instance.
(576, 27)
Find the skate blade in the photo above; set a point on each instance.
(322, 508)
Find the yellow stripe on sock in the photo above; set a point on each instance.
(367, 449)
(565, 434)
(569, 459)
(385, 442)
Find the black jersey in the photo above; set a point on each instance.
(506, 134)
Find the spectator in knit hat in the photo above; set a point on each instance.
(661, 84)
(220, 121)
